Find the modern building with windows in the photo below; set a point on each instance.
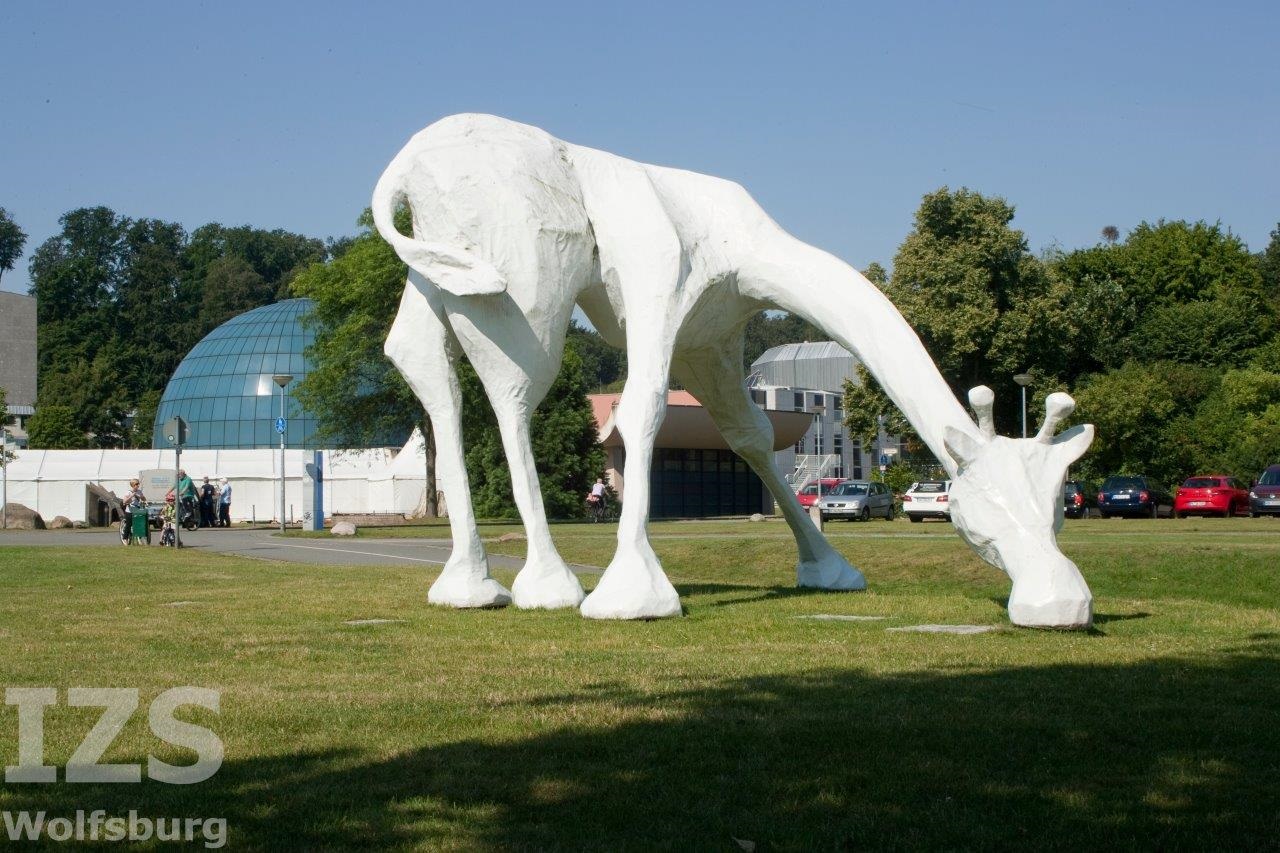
(18, 351)
(224, 390)
(809, 378)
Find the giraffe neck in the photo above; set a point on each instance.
(842, 302)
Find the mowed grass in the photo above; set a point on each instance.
(742, 720)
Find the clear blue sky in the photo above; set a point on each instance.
(838, 117)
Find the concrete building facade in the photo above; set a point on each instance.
(18, 354)
(809, 377)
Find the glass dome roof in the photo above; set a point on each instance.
(224, 391)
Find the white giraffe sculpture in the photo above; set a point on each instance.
(513, 227)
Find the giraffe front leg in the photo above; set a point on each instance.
(634, 586)
(418, 345)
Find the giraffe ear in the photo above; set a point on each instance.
(963, 447)
(1071, 444)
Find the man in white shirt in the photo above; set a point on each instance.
(224, 503)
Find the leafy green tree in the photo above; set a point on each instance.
(274, 257)
(1141, 413)
(983, 306)
(866, 406)
(566, 451)
(144, 418)
(12, 239)
(357, 395)
(1210, 332)
(602, 364)
(1259, 443)
(90, 390)
(74, 276)
(1229, 428)
(231, 287)
(1180, 291)
(54, 427)
(1181, 261)
(1269, 269)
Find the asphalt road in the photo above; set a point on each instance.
(266, 545)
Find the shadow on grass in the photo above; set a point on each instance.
(1164, 754)
(751, 592)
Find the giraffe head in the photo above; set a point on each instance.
(1006, 502)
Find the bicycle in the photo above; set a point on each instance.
(597, 510)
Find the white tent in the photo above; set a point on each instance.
(376, 480)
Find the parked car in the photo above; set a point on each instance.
(1264, 495)
(1212, 494)
(1076, 499)
(808, 495)
(1134, 497)
(857, 499)
(928, 499)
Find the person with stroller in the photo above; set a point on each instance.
(133, 501)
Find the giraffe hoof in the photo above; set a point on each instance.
(829, 572)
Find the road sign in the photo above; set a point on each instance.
(280, 425)
(175, 430)
(884, 460)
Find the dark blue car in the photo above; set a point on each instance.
(1133, 497)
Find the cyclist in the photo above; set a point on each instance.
(596, 501)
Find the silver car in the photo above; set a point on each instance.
(857, 499)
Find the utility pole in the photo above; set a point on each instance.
(175, 429)
(4, 465)
(282, 379)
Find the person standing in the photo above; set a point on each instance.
(224, 503)
(133, 501)
(207, 508)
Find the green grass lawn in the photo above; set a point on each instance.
(511, 729)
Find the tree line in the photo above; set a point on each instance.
(1168, 336)
(120, 302)
(1169, 339)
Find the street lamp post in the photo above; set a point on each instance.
(281, 379)
(1023, 380)
(4, 465)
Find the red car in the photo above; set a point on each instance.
(1213, 494)
(808, 495)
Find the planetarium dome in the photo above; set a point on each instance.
(224, 390)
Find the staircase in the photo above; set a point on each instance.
(810, 467)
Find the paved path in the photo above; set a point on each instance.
(265, 545)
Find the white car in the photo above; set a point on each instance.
(928, 499)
